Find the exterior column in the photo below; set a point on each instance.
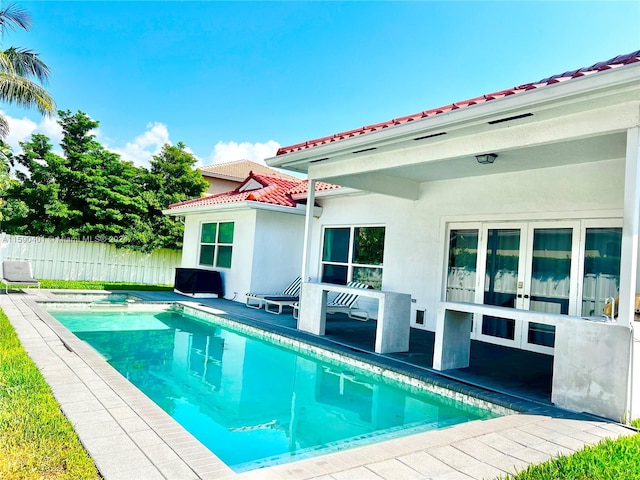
(308, 222)
(629, 281)
(634, 376)
(630, 227)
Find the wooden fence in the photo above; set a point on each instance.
(69, 259)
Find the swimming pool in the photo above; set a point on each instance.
(251, 402)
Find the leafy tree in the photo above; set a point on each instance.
(19, 67)
(90, 193)
(101, 191)
(34, 206)
(172, 179)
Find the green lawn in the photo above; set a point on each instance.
(87, 285)
(609, 460)
(36, 439)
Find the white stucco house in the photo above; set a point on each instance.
(511, 218)
(252, 234)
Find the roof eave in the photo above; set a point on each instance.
(220, 176)
(591, 85)
(334, 192)
(223, 207)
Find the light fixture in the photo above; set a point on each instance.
(487, 158)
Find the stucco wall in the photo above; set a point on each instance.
(220, 185)
(591, 367)
(415, 236)
(278, 251)
(267, 249)
(238, 277)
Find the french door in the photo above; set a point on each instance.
(530, 266)
(523, 265)
(556, 267)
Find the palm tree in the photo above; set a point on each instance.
(18, 66)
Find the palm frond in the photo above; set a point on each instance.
(12, 16)
(24, 62)
(21, 91)
(4, 127)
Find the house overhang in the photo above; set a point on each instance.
(238, 206)
(577, 121)
(220, 176)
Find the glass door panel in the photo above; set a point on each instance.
(601, 278)
(550, 276)
(461, 269)
(501, 279)
(502, 265)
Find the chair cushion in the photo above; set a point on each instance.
(17, 272)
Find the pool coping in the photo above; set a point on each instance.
(129, 436)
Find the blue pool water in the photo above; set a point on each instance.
(97, 298)
(253, 403)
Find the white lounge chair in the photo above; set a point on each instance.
(17, 274)
(348, 303)
(291, 294)
(280, 303)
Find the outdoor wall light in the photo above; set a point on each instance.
(487, 158)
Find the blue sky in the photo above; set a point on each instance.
(234, 80)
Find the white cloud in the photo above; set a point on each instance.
(52, 129)
(21, 129)
(232, 151)
(145, 145)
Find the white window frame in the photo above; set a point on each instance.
(349, 263)
(216, 245)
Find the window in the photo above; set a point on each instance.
(216, 244)
(601, 280)
(353, 254)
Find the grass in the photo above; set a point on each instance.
(608, 460)
(36, 439)
(97, 285)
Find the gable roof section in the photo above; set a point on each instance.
(618, 61)
(268, 189)
(239, 170)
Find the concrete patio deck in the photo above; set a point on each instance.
(130, 437)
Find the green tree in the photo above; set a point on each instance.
(5, 180)
(88, 194)
(171, 179)
(33, 205)
(102, 192)
(19, 67)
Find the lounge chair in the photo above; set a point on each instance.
(17, 273)
(348, 303)
(280, 303)
(291, 293)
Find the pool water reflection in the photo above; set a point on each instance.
(253, 403)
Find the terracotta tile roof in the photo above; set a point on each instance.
(274, 189)
(597, 67)
(303, 187)
(239, 170)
